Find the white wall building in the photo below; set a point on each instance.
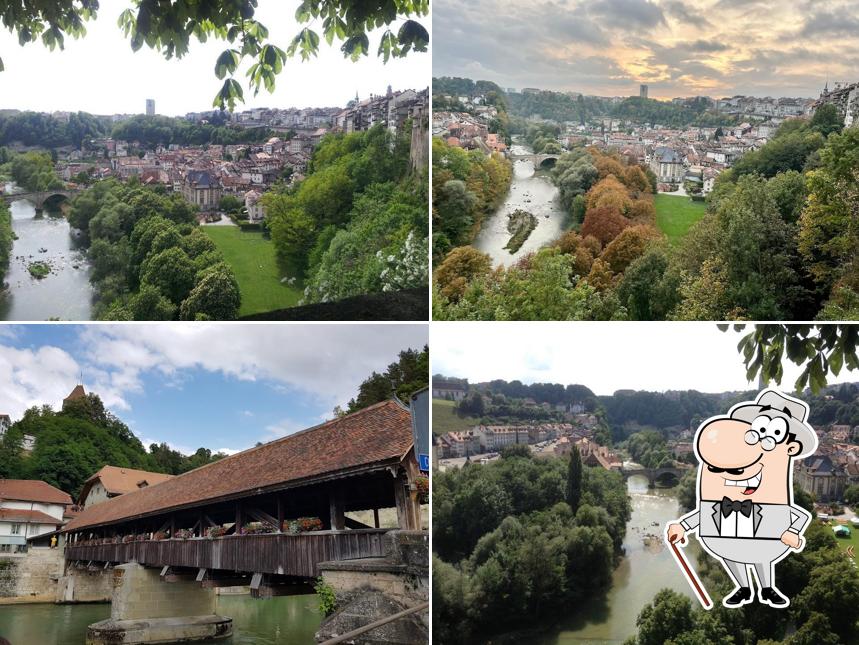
(28, 508)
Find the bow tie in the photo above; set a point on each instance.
(730, 506)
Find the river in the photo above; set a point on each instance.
(532, 192)
(647, 567)
(66, 293)
(288, 620)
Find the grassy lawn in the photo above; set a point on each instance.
(853, 540)
(675, 214)
(445, 419)
(254, 262)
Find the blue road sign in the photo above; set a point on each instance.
(423, 462)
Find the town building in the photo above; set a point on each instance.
(822, 478)
(667, 165)
(202, 188)
(112, 481)
(150, 107)
(77, 393)
(254, 207)
(5, 423)
(642, 91)
(449, 391)
(29, 508)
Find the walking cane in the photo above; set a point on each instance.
(691, 576)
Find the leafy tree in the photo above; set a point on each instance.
(214, 297)
(628, 246)
(405, 377)
(827, 119)
(230, 204)
(459, 269)
(648, 289)
(819, 349)
(6, 238)
(171, 271)
(168, 29)
(574, 479)
(604, 223)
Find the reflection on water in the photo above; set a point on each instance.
(291, 620)
(647, 568)
(66, 293)
(530, 192)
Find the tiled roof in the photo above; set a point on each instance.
(118, 481)
(378, 433)
(33, 517)
(32, 490)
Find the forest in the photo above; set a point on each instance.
(360, 206)
(152, 131)
(46, 131)
(150, 260)
(776, 242)
(32, 171)
(6, 238)
(519, 541)
(467, 186)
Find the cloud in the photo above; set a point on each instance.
(606, 47)
(325, 361)
(29, 377)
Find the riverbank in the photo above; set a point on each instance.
(646, 567)
(530, 191)
(63, 294)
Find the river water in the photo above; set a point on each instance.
(66, 293)
(289, 620)
(647, 568)
(532, 192)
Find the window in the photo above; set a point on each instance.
(5, 548)
(16, 529)
(21, 548)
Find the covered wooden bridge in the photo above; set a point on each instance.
(269, 515)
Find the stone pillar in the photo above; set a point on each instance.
(145, 609)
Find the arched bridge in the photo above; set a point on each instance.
(537, 159)
(654, 474)
(267, 516)
(38, 198)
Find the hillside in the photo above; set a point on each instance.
(445, 419)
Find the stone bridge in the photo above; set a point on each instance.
(38, 198)
(537, 159)
(654, 474)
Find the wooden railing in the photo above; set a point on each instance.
(274, 553)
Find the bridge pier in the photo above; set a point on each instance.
(145, 609)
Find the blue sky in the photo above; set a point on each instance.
(224, 387)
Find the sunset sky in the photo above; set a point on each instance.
(678, 47)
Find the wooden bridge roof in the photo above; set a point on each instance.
(371, 438)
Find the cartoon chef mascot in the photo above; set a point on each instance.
(746, 517)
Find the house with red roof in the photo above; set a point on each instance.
(28, 508)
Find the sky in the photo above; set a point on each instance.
(102, 75)
(678, 47)
(604, 357)
(224, 387)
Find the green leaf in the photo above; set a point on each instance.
(412, 35)
(227, 62)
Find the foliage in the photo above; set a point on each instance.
(459, 268)
(148, 256)
(327, 599)
(154, 130)
(6, 238)
(73, 444)
(34, 171)
(44, 130)
(39, 270)
(467, 186)
(358, 207)
(574, 480)
(520, 553)
(819, 349)
(408, 375)
(169, 27)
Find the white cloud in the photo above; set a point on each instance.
(326, 362)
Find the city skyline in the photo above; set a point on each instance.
(714, 48)
(67, 81)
